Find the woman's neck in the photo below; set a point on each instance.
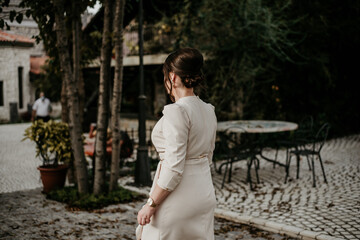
(183, 92)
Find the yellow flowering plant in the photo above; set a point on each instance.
(52, 140)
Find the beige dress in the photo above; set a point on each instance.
(185, 139)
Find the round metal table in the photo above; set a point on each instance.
(256, 126)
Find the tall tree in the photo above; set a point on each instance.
(117, 93)
(103, 104)
(63, 101)
(76, 42)
(73, 97)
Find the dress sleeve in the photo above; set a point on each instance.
(175, 129)
(212, 146)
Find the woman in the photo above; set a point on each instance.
(182, 199)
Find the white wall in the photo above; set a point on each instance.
(10, 59)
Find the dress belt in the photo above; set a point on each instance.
(193, 158)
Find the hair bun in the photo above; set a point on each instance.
(187, 64)
(192, 81)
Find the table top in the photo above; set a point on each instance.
(256, 126)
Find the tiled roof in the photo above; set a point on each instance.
(36, 63)
(12, 39)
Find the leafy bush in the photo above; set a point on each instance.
(74, 200)
(52, 140)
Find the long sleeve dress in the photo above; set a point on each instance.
(185, 139)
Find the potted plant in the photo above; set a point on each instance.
(53, 146)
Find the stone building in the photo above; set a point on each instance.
(21, 59)
(16, 91)
(28, 27)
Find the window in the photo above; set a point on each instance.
(1, 93)
(20, 79)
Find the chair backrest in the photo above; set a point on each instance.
(321, 136)
(228, 141)
(306, 128)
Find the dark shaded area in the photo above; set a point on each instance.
(322, 82)
(130, 94)
(313, 74)
(88, 202)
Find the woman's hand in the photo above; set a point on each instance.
(145, 214)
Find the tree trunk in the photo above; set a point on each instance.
(103, 104)
(81, 85)
(77, 71)
(73, 97)
(64, 107)
(117, 92)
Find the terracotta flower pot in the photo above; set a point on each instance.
(53, 178)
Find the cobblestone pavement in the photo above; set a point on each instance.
(17, 160)
(27, 214)
(332, 208)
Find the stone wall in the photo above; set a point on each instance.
(10, 59)
(29, 29)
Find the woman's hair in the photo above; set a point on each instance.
(187, 64)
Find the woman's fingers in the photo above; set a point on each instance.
(139, 219)
(142, 220)
(143, 217)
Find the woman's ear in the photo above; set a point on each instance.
(172, 77)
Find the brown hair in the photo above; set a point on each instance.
(186, 63)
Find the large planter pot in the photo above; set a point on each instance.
(53, 178)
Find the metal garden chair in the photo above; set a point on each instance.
(234, 151)
(310, 150)
(296, 140)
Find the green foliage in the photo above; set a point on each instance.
(43, 14)
(73, 199)
(281, 60)
(52, 140)
(241, 41)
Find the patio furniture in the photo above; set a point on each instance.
(233, 151)
(313, 151)
(295, 142)
(251, 150)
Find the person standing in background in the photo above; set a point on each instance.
(41, 108)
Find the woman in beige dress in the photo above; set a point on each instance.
(182, 199)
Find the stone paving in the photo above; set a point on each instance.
(332, 209)
(27, 214)
(17, 160)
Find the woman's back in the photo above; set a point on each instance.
(202, 121)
